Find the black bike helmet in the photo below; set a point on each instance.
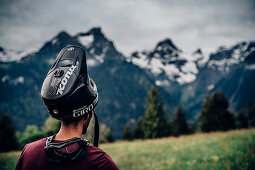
(67, 91)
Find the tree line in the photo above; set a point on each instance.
(13, 140)
(214, 116)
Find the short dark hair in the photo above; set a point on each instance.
(75, 122)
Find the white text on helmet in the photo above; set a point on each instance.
(81, 111)
(63, 83)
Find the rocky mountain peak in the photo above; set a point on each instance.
(198, 51)
(10, 55)
(95, 30)
(166, 64)
(98, 45)
(1, 49)
(97, 34)
(63, 35)
(63, 38)
(166, 45)
(92, 37)
(58, 42)
(225, 58)
(166, 50)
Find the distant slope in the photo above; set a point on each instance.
(230, 70)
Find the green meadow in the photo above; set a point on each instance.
(218, 150)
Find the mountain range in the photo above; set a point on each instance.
(123, 81)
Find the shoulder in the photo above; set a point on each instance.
(30, 154)
(100, 159)
(93, 149)
(39, 144)
(96, 153)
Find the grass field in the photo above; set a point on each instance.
(219, 150)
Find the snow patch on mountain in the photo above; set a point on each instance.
(156, 65)
(202, 61)
(189, 67)
(100, 57)
(9, 55)
(250, 67)
(98, 45)
(166, 59)
(199, 57)
(186, 78)
(141, 60)
(86, 41)
(54, 41)
(167, 63)
(162, 83)
(5, 78)
(224, 58)
(51, 61)
(91, 62)
(210, 87)
(15, 81)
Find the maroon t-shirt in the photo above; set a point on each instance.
(33, 157)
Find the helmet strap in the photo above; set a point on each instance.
(96, 130)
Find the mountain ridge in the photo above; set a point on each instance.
(122, 86)
(123, 81)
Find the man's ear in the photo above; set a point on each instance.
(89, 115)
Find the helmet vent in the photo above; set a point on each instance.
(65, 63)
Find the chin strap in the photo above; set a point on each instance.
(96, 130)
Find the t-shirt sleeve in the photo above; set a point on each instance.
(110, 165)
(101, 160)
(19, 164)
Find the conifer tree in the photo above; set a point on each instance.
(127, 133)
(179, 123)
(155, 122)
(108, 136)
(139, 129)
(251, 114)
(241, 121)
(215, 115)
(8, 140)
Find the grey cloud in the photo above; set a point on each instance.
(133, 25)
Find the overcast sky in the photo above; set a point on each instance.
(132, 25)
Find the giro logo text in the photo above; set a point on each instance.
(64, 81)
(81, 111)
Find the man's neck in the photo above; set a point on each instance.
(68, 132)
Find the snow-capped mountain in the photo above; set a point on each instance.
(9, 55)
(167, 64)
(122, 85)
(98, 46)
(230, 70)
(226, 58)
(123, 81)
